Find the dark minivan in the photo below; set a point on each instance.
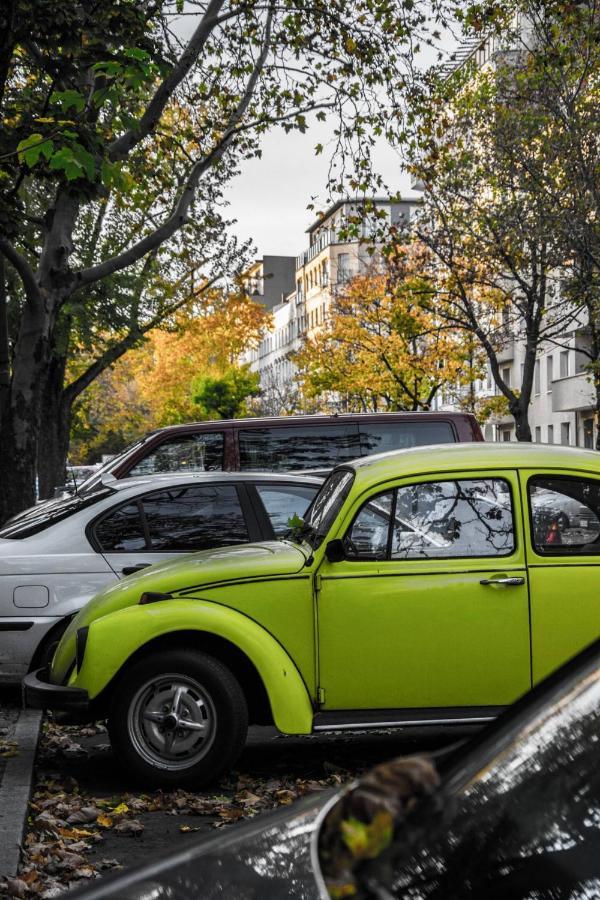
(285, 444)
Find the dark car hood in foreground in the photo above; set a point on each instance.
(268, 858)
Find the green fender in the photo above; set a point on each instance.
(113, 638)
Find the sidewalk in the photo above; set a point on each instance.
(19, 732)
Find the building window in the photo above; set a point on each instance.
(564, 363)
(343, 272)
(506, 377)
(537, 387)
(538, 434)
(550, 434)
(549, 372)
(565, 433)
(588, 434)
(325, 271)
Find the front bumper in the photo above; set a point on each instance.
(40, 693)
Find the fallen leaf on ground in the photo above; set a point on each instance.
(129, 826)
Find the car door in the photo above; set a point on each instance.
(430, 606)
(563, 546)
(176, 519)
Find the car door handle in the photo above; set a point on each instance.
(508, 582)
(129, 570)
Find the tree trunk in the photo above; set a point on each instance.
(4, 342)
(55, 426)
(20, 420)
(521, 416)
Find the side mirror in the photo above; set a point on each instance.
(335, 551)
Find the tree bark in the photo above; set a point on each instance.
(55, 427)
(4, 341)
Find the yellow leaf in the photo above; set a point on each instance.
(104, 820)
(75, 832)
(120, 810)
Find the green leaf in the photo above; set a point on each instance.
(68, 99)
(85, 160)
(366, 841)
(31, 148)
(137, 53)
(64, 160)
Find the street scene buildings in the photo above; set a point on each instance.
(299, 291)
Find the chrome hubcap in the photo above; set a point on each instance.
(172, 722)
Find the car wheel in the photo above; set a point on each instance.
(45, 652)
(178, 719)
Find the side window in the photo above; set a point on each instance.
(284, 501)
(565, 515)
(121, 530)
(369, 535)
(201, 452)
(447, 519)
(194, 518)
(292, 447)
(378, 437)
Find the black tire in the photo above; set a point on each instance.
(141, 745)
(44, 653)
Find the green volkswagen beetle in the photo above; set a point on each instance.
(432, 585)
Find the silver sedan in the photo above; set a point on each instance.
(56, 556)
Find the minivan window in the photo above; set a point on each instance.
(379, 437)
(200, 452)
(290, 447)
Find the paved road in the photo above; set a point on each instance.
(93, 771)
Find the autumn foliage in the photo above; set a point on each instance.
(382, 347)
(164, 382)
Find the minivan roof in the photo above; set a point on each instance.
(316, 419)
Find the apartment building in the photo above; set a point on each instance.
(270, 279)
(330, 261)
(562, 409)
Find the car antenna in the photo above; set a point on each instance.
(72, 474)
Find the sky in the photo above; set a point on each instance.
(270, 196)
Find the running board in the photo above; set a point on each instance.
(357, 719)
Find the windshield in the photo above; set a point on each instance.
(41, 517)
(325, 507)
(90, 484)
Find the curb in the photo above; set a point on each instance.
(16, 790)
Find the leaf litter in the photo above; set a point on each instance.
(66, 824)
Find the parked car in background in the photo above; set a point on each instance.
(76, 476)
(285, 444)
(54, 558)
(515, 815)
(418, 589)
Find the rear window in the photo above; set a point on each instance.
(39, 518)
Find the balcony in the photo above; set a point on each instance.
(507, 351)
(575, 392)
(324, 239)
